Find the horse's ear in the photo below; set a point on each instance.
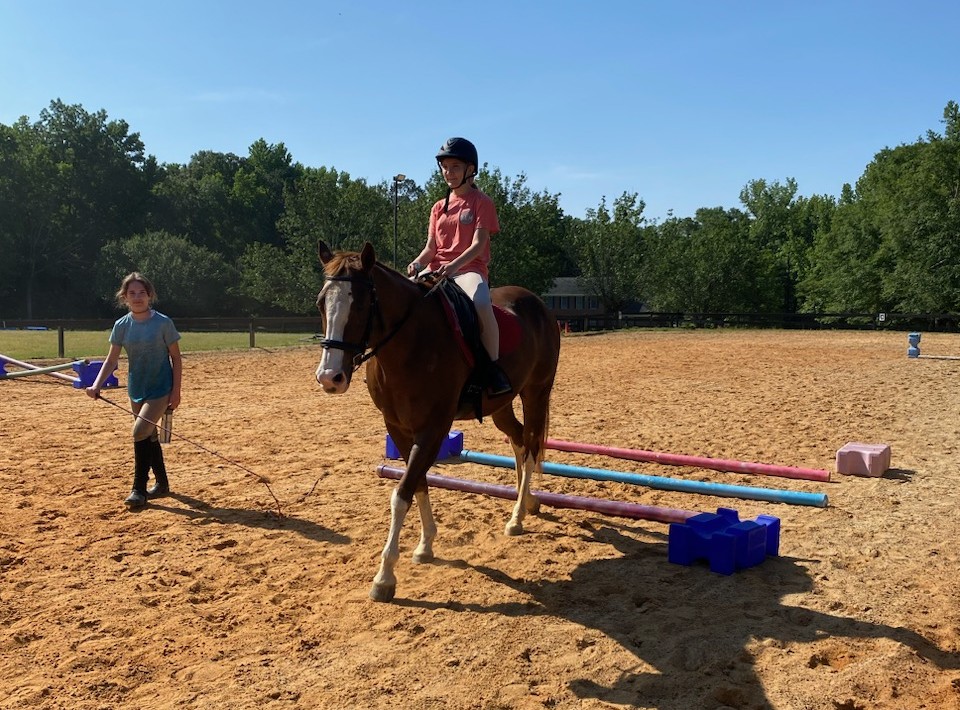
(323, 251)
(367, 256)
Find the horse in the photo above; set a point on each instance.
(416, 372)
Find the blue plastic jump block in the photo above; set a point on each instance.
(452, 446)
(726, 542)
(87, 372)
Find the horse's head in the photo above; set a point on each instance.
(347, 304)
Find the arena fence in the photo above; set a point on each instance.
(929, 322)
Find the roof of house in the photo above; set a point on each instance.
(567, 286)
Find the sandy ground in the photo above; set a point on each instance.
(210, 599)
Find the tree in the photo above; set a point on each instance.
(528, 251)
(892, 244)
(196, 201)
(705, 264)
(916, 193)
(609, 249)
(191, 281)
(844, 274)
(324, 204)
(29, 215)
(260, 188)
(84, 181)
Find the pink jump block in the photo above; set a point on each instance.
(863, 459)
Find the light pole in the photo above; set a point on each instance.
(396, 182)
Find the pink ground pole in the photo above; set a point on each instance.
(810, 474)
(554, 500)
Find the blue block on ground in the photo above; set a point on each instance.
(87, 372)
(452, 446)
(726, 542)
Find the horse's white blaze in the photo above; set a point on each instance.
(337, 299)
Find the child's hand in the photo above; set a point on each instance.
(93, 392)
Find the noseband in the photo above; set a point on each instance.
(361, 349)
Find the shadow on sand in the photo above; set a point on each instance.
(267, 520)
(709, 620)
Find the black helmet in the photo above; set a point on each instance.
(461, 149)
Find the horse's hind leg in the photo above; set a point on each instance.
(526, 501)
(536, 419)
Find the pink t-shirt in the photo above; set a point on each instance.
(454, 229)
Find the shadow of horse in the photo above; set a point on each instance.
(266, 520)
(708, 619)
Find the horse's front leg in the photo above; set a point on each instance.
(385, 583)
(413, 482)
(421, 457)
(428, 527)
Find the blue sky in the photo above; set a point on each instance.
(681, 102)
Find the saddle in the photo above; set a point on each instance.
(465, 324)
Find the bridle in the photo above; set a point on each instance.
(363, 350)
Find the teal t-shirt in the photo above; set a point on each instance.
(147, 344)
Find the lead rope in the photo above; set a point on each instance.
(256, 475)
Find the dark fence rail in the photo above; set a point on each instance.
(285, 324)
(184, 325)
(932, 322)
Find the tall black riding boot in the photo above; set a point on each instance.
(141, 470)
(497, 381)
(161, 486)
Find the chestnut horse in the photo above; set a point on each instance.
(415, 374)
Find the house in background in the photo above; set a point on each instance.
(569, 300)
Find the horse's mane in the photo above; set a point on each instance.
(340, 261)
(350, 260)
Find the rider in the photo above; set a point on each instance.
(458, 244)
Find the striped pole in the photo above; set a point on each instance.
(554, 500)
(37, 371)
(33, 369)
(729, 465)
(659, 482)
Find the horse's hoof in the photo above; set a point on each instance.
(513, 529)
(383, 592)
(421, 558)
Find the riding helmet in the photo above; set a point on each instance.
(461, 149)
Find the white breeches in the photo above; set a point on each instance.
(479, 292)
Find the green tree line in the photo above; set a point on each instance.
(82, 203)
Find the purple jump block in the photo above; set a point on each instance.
(726, 542)
(452, 446)
(863, 459)
(87, 373)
